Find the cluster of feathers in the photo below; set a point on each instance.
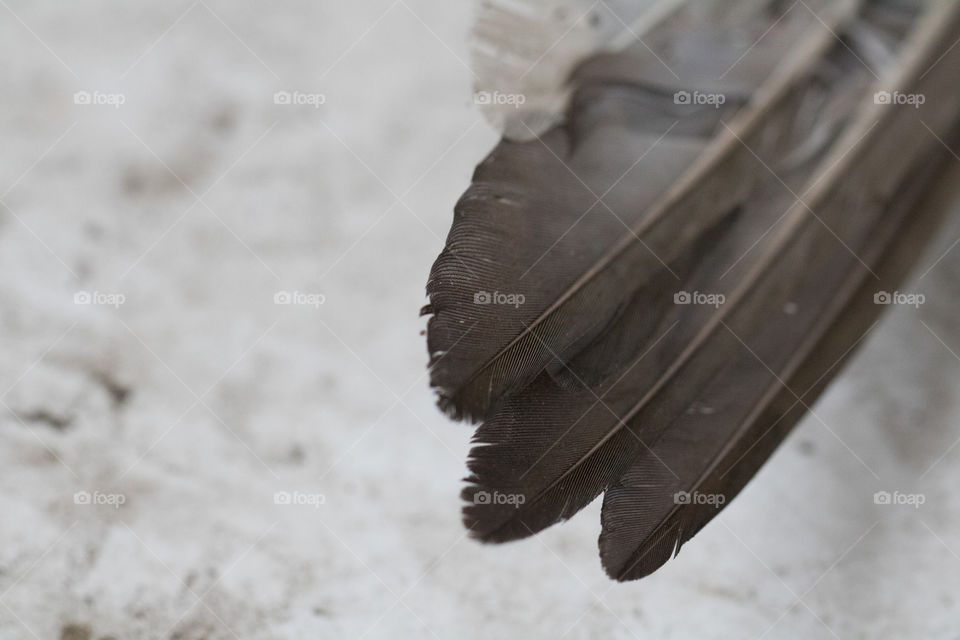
(696, 221)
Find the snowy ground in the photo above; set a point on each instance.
(180, 413)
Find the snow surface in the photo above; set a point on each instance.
(198, 399)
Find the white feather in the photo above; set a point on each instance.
(524, 51)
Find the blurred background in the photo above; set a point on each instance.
(216, 222)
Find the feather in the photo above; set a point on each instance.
(524, 50)
(582, 217)
(651, 511)
(788, 187)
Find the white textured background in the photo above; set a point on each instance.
(199, 398)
